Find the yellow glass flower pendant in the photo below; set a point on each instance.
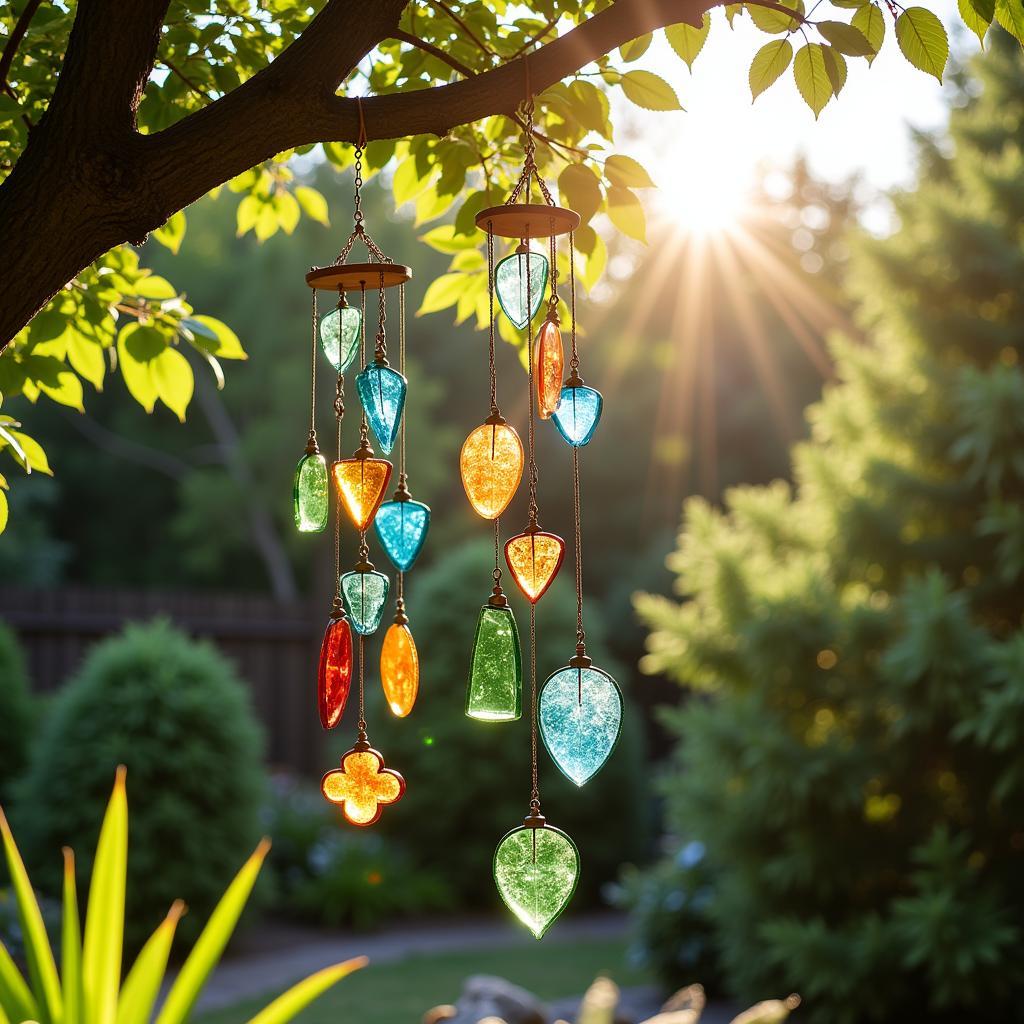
(362, 786)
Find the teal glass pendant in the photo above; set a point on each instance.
(580, 717)
(310, 492)
(496, 670)
(578, 412)
(365, 592)
(339, 335)
(382, 393)
(401, 527)
(536, 868)
(519, 301)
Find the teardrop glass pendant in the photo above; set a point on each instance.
(309, 493)
(534, 558)
(548, 363)
(496, 670)
(361, 482)
(519, 301)
(339, 336)
(382, 394)
(334, 677)
(402, 529)
(580, 716)
(491, 465)
(365, 592)
(578, 413)
(536, 870)
(399, 669)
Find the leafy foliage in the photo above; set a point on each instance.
(17, 714)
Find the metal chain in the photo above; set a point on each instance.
(532, 381)
(490, 321)
(574, 359)
(362, 356)
(312, 375)
(359, 231)
(380, 351)
(361, 725)
(530, 171)
(581, 636)
(534, 774)
(402, 477)
(553, 251)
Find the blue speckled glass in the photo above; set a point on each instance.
(578, 414)
(382, 392)
(401, 529)
(580, 714)
(364, 594)
(510, 284)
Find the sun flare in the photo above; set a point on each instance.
(704, 198)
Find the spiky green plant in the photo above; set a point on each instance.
(88, 988)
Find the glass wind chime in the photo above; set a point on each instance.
(362, 786)
(579, 710)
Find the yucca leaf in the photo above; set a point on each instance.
(71, 945)
(142, 985)
(4, 1019)
(42, 970)
(16, 997)
(298, 997)
(104, 920)
(211, 942)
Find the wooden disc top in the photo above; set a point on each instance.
(527, 220)
(354, 277)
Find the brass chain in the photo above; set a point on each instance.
(534, 771)
(312, 376)
(574, 359)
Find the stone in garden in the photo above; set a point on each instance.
(484, 996)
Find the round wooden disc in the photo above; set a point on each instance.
(527, 220)
(352, 277)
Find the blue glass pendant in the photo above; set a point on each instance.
(382, 392)
(401, 529)
(519, 282)
(580, 714)
(365, 594)
(578, 413)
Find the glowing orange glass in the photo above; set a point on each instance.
(534, 559)
(548, 364)
(492, 466)
(399, 669)
(362, 786)
(361, 484)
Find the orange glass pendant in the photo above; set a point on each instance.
(361, 482)
(334, 677)
(362, 786)
(492, 466)
(399, 666)
(534, 558)
(547, 367)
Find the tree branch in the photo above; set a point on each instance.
(15, 38)
(434, 51)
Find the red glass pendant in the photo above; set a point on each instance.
(334, 677)
(534, 558)
(548, 362)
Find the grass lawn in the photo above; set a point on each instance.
(399, 993)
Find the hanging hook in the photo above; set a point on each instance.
(361, 144)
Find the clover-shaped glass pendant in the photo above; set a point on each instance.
(536, 870)
(399, 669)
(339, 336)
(580, 715)
(362, 786)
(309, 493)
(365, 593)
(534, 558)
(361, 482)
(335, 672)
(519, 301)
(578, 413)
(496, 670)
(548, 362)
(491, 465)
(401, 529)
(382, 393)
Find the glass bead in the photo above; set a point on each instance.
(510, 285)
(578, 414)
(382, 394)
(491, 465)
(364, 594)
(402, 529)
(361, 484)
(580, 717)
(536, 870)
(399, 669)
(362, 786)
(309, 494)
(496, 670)
(548, 363)
(339, 336)
(534, 560)
(334, 677)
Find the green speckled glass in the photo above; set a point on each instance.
(511, 287)
(580, 713)
(310, 494)
(536, 870)
(364, 594)
(339, 336)
(496, 672)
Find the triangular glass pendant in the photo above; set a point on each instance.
(536, 870)
(491, 465)
(399, 669)
(401, 529)
(361, 482)
(365, 592)
(510, 285)
(382, 393)
(334, 677)
(534, 558)
(362, 786)
(496, 670)
(339, 336)
(578, 413)
(548, 363)
(309, 493)
(580, 714)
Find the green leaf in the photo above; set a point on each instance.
(627, 172)
(408, 183)
(774, 22)
(153, 286)
(442, 292)
(16, 997)
(731, 10)
(67, 391)
(172, 233)
(86, 358)
(227, 344)
(835, 68)
(3, 526)
(635, 48)
(210, 944)
(974, 20)
(647, 90)
(923, 40)
(688, 40)
(33, 452)
(71, 947)
(288, 1005)
(1010, 14)
(142, 986)
(580, 190)
(871, 22)
(768, 64)
(595, 262)
(286, 207)
(811, 77)
(444, 239)
(135, 370)
(248, 214)
(174, 381)
(313, 204)
(8, 438)
(852, 5)
(627, 213)
(846, 39)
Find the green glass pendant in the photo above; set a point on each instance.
(536, 868)
(365, 592)
(309, 493)
(496, 672)
(518, 301)
(339, 336)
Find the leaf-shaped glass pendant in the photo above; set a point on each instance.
(491, 465)
(578, 413)
(536, 870)
(496, 670)
(534, 558)
(365, 593)
(309, 493)
(361, 482)
(580, 714)
(339, 336)
(382, 393)
(335, 673)
(401, 529)
(399, 669)
(362, 786)
(548, 363)
(519, 301)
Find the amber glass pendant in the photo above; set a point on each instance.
(491, 465)
(548, 363)
(334, 677)
(495, 692)
(361, 482)
(400, 666)
(362, 786)
(534, 558)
